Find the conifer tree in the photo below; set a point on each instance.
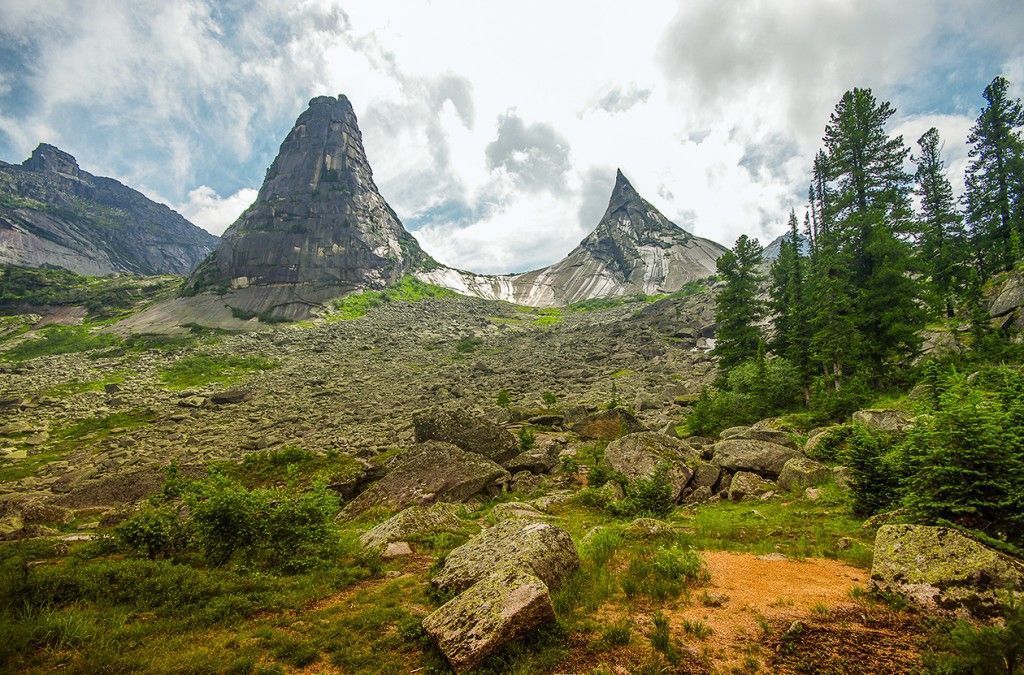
(739, 308)
(995, 180)
(942, 237)
(789, 304)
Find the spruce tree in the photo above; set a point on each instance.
(942, 237)
(995, 180)
(789, 304)
(739, 308)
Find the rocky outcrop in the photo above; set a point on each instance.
(470, 432)
(318, 229)
(746, 485)
(54, 213)
(641, 455)
(607, 425)
(428, 473)
(506, 605)
(803, 472)
(634, 249)
(760, 457)
(883, 419)
(938, 568)
(413, 523)
(541, 549)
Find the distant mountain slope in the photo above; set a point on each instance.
(772, 250)
(634, 249)
(53, 213)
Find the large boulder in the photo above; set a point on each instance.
(428, 473)
(607, 425)
(760, 434)
(507, 604)
(541, 549)
(1008, 297)
(940, 569)
(415, 522)
(746, 485)
(640, 455)
(469, 432)
(761, 457)
(540, 459)
(802, 472)
(883, 419)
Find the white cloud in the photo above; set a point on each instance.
(212, 212)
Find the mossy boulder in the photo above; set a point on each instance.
(761, 457)
(760, 434)
(641, 454)
(429, 473)
(607, 425)
(507, 604)
(538, 548)
(883, 419)
(470, 432)
(747, 485)
(802, 472)
(416, 522)
(941, 569)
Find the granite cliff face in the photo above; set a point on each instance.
(318, 229)
(53, 213)
(634, 249)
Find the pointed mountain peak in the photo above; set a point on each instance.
(50, 158)
(623, 190)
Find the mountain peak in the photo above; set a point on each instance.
(52, 159)
(623, 191)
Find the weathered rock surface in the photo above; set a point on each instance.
(469, 432)
(883, 419)
(938, 568)
(761, 457)
(801, 472)
(540, 549)
(641, 454)
(318, 229)
(53, 213)
(415, 522)
(607, 425)
(634, 249)
(430, 472)
(507, 604)
(747, 485)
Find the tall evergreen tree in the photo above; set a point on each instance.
(789, 304)
(868, 212)
(739, 308)
(942, 237)
(995, 179)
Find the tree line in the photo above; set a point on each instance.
(853, 287)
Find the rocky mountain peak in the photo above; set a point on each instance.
(319, 227)
(49, 158)
(632, 218)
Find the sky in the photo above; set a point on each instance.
(494, 128)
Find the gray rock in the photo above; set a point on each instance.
(883, 419)
(746, 485)
(536, 460)
(415, 522)
(640, 455)
(505, 605)
(229, 396)
(427, 473)
(541, 549)
(521, 510)
(1009, 297)
(761, 457)
(801, 472)
(469, 432)
(607, 425)
(940, 569)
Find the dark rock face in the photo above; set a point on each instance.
(469, 432)
(634, 249)
(319, 227)
(53, 213)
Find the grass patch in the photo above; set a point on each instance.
(203, 369)
(408, 289)
(291, 463)
(799, 528)
(53, 340)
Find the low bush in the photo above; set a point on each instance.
(663, 574)
(653, 496)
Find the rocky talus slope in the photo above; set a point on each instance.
(633, 250)
(54, 213)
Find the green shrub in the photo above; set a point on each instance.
(549, 398)
(662, 574)
(504, 400)
(833, 444)
(970, 648)
(652, 496)
(875, 475)
(154, 532)
(468, 344)
(527, 438)
(753, 390)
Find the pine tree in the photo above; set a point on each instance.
(789, 304)
(739, 308)
(868, 211)
(942, 238)
(995, 180)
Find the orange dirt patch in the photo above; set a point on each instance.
(757, 591)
